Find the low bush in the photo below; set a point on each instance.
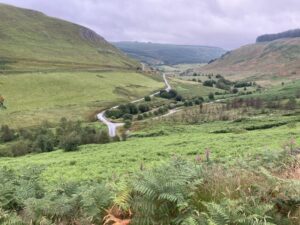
(168, 94)
(127, 117)
(140, 117)
(21, 148)
(69, 142)
(7, 134)
(147, 98)
(127, 124)
(211, 96)
(68, 135)
(182, 192)
(143, 108)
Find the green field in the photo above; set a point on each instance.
(159, 141)
(34, 97)
(189, 89)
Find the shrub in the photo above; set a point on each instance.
(116, 113)
(26, 133)
(209, 83)
(127, 124)
(291, 104)
(242, 84)
(178, 98)
(140, 117)
(123, 109)
(171, 94)
(211, 96)
(124, 136)
(45, 143)
(116, 138)
(7, 134)
(127, 117)
(88, 135)
(103, 137)
(144, 108)
(198, 101)
(221, 85)
(70, 142)
(21, 148)
(172, 106)
(235, 90)
(162, 110)
(147, 98)
(132, 108)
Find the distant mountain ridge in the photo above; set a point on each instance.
(286, 34)
(155, 53)
(30, 40)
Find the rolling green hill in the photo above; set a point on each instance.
(265, 62)
(153, 53)
(30, 40)
(51, 68)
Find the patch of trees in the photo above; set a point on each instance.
(172, 94)
(242, 84)
(194, 101)
(67, 135)
(124, 110)
(209, 83)
(259, 103)
(271, 37)
(223, 84)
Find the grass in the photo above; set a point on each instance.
(32, 41)
(289, 89)
(190, 89)
(34, 97)
(117, 159)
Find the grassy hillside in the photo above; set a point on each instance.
(160, 141)
(153, 53)
(33, 97)
(266, 62)
(30, 40)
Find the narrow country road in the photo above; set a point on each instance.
(112, 127)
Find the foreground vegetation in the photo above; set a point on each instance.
(180, 192)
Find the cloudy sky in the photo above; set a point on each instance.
(225, 23)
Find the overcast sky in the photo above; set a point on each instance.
(224, 23)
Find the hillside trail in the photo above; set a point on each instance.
(112, 127)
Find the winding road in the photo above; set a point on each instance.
(112, 127)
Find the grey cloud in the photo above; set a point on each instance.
(224, 23)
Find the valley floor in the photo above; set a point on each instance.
(31, 98)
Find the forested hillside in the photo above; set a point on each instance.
(272, 37)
